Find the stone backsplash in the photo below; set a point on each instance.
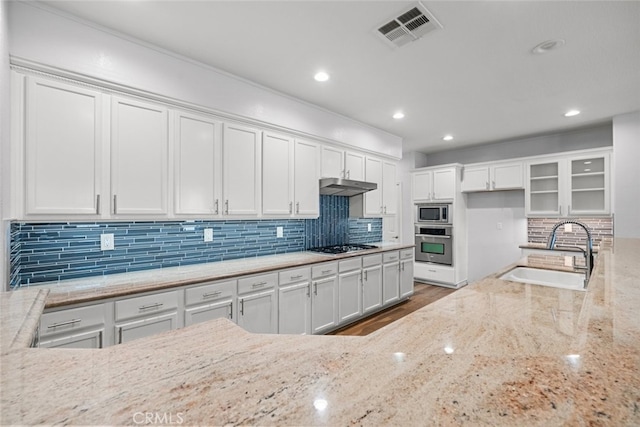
(538, 230)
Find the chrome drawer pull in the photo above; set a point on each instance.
(315, 288)
(296, 277)
(115, 204)
(70, 322)
(211, 295)
(258, 285)
(231, 310)
(217, 207)
(326, 271)
(146, 307)
(97, 204)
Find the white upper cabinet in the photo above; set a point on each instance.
(277, 174)
(389, 188)
(306, 185)
(434, 185)
(373, 198)
(241, 170)
(63, 144)
(332, 162)
(197, 165)
(502, 176)
(569, 186)
(139, 144)
(354, 166)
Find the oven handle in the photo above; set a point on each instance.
(433, 236)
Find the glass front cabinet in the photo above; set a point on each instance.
(569, 186)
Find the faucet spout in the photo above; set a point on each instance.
(588, 253)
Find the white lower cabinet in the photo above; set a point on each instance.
(391, 277)
(349, 293)
(258, 304)
(371, 283)
(79, 327)
(406, 273)
(146, 327)
(324, 297)
(294, 301)
(145, 315)
(88, 339)
(210, 301)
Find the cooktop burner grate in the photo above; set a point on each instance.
(341, 249)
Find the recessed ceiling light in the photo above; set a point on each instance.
(572, 113)
(398, 115)
(321, 76)
(448, 137)
(547, 46)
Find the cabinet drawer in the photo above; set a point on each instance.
(371, 260)
(350, 264)
(145, 305)
(322, 270)
(255, 283)
(407, 253)
(431, 272)
(295, 275)
(71, 319)
(210, 292)
(390, 256)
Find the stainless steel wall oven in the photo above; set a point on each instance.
(434, 244)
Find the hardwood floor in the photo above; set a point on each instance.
(423, 295)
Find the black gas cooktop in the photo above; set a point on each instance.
(341, 249)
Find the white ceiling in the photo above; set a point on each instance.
(475, 78)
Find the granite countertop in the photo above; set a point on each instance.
(492, 353)
(20, 315)
(74, 291)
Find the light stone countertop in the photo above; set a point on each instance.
(20, 313)
(492, 353)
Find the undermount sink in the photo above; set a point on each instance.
(552, 278)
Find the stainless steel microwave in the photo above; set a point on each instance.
(433, 213)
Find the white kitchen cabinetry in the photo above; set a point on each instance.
(406, 272)
(258, 304)
(373, 198)
(572, 185)
(197, 165)
(390, 277)
(324, 297)
(241, 170)
(371, 283)
(63, 127)
(139, 149)
(389, 188)
(294, 301)
(306, 179)
(337, 163)
(506, 176)
(210, 301)
(434, 185)
(349, 293)
(145, 315)
(354, 166)
(80, 327)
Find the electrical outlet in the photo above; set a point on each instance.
(208, 234)
(368, 227)
(568, 261)
(279, 232)
(107, 242)
(568, 228)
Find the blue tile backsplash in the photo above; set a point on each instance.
(42, 252)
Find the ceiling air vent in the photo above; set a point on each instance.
(408, 26)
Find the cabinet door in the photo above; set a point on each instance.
(306, 182)
(324, 304)
(389, 189)
(277, 174)
(197, 161)
(406, 278)
(391, 228)
(241, 170)
(138, 158)
(588, 185)
(444, 184)
(211, 311)
(332, 162)
(507, 177)
(476, 179)
(146, 327)
(371, 289)
(354, 166)
(391, 283)
(373, 199)
(294, 313)
(421, 186)
(88, 339)
(258, 312)
(63, 149)
(542, 195)
(349, 296)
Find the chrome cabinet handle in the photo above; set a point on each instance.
(100, 340)
(69, 322)
(366, 276)
(97, 204)
(217, 207)
(258, 285)
(403, 265)
(309, 289)
(290, 207)
(348, 173)
(385, 209)
(120, 335)
(381, 209)
(211, 295)
(231, 310)
(226, 207)
(147, 307)
(241, 307)
(296, 277)
(297, 207)
(326, 271)
(315, 288)
(115, 204)
(493, 183)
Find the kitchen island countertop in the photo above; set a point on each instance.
(492, 353)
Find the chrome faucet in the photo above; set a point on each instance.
(588, 253)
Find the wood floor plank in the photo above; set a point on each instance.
(423, 295)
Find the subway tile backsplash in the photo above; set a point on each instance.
(43, 252)
(601, 231)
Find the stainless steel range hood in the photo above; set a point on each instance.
(345, 187)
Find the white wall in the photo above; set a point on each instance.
(626, 175)
(4, 144)
(490, 248)
(51, 38)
